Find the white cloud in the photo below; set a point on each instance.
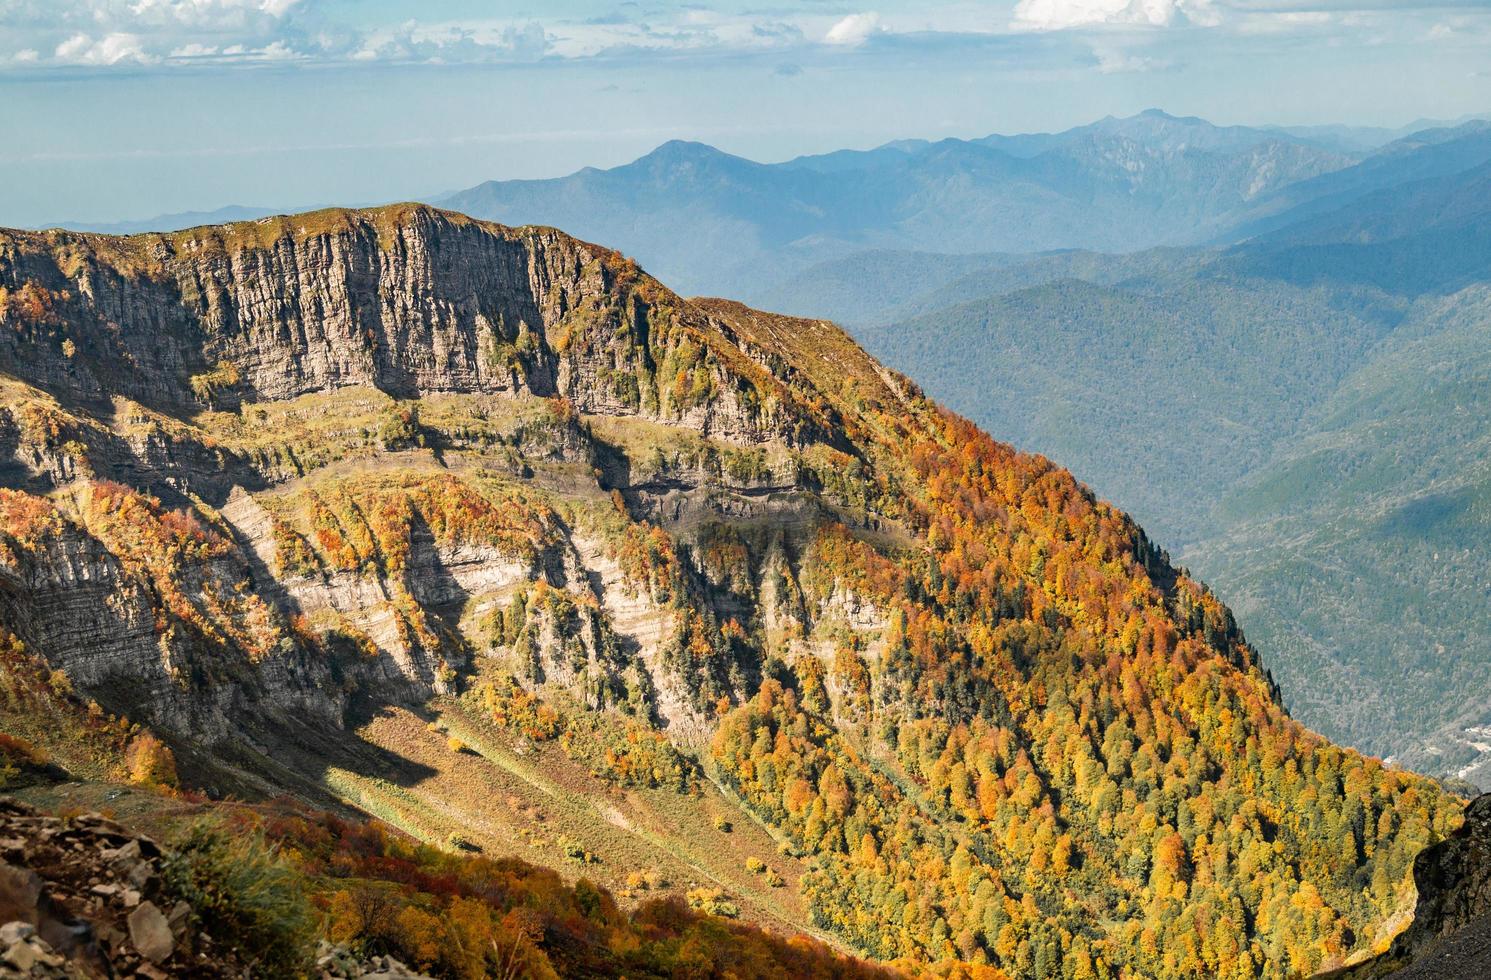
(104, 33)
(111, 49)
(193, 50)
(1114, 62)
(202, 13)
(174, 33)
(853, 30)
(196, 33)
(1265, 17)
(1055, 15)
(73, 47)
(277, 51)
(444, 44)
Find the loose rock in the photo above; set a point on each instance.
(151, 933)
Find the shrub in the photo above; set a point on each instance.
(16, 756)
(755, 865)
(722, 825)
(400, 428)
(60, 683)
(455, 744)
(206, 385)
(245, 896)
(712, 901)
(150, 761)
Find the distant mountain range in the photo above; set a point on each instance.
(717, 223)
(173, 222)
(1302, 416)
(721, 224)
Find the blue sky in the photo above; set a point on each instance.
(119, 109)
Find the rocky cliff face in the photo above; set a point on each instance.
(1453, 879)
(107, 625)
(411, 301)
(148, 362)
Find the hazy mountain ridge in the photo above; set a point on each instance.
(1115, 185)
(1250, 385)
(1420, 156)
(172, 222)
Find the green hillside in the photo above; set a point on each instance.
(1387, 501)
(1161, 394)
(1297, 418)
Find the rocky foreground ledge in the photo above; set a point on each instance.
(84, 897)
(1450, 935)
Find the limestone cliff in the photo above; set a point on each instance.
(206, 371)
(409, 300)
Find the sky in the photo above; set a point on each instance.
(123, 109)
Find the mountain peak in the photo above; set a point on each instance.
(1161, 119)
(687, 150)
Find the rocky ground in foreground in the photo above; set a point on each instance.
(84, 897)
(1449, 937)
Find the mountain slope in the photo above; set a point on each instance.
(714, 223)
(1164, 391)
(875, 289)
(1265, 408)
(1382, 499)
(486, 532)
(1426, 155)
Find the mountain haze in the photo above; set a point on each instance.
(1243, 368)
(172, 222)
(716, 223)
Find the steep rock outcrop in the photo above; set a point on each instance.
(1454, 887)
(104, 619)
(409, 300)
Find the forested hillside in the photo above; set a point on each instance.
(1383, 501)
(486, 532)
(1307, 398)
(1169, 389)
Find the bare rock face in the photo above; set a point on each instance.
(98, 618)
(409, 300)
(1454, 884)
(141, 550)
